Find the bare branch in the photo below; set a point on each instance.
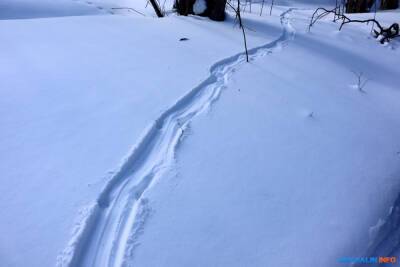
(386, 33)
(272, 5)
(361, 81)
(129, 9)
(239, 17)
(262, 6)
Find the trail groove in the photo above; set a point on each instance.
(106, 235)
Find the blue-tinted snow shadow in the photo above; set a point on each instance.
(351, 60)
(28, 9)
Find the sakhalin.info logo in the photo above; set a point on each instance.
(368, 260)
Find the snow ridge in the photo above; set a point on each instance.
(107, 235)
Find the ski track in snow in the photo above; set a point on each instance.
(106, 233)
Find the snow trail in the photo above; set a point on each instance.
(106, 234)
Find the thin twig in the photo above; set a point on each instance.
(130, 9)
(262, 6)
(241, 26)
(272, 5)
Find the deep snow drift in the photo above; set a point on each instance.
(108, 131)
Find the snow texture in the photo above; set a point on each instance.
(109, 159)
(199, 6)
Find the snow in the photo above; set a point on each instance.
(24, 9)
(109, 130)
(77, 93)
(262, 179)
(199, 6)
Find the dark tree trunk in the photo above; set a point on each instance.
(357, 6)
(184, 7)
(370, 3)
(157, 8)
(215, 8)
(389, 4)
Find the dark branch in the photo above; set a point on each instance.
(387, 34)
(239, 17)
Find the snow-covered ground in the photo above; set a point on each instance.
(292, 166)
(121, 145)
(77, 93)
